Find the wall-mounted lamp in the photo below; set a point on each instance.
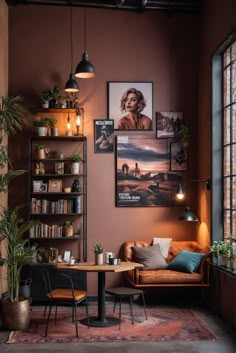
(71, 84)
(206, 181)
(188, 216)
(85, 69)
(79, 122)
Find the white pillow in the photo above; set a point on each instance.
(164, 245)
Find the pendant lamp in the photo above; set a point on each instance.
(85, 69)
(71, 84)
(188, 216)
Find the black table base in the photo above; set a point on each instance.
(94, 321)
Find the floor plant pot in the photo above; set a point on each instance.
(98, 259)
(16, 315)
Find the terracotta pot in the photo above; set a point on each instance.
(16, 315)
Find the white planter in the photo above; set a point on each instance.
(74, 168)
(221, 260)
(98, 259)
(45, 105)
(54, 131)
(42, 131)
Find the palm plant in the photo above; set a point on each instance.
(18, 253)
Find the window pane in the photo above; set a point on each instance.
(226, 223)
(227, 125)
(234, 225)
(234, 123)
(234, 192)
(227, 192)
(227, 86)
(227, 57)
(233, 78)
(234, 158)
(226, 160)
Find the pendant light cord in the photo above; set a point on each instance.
(85, 26)
(71, 40)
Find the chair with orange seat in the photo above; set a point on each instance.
(59, 296)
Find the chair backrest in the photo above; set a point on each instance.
(47, 286)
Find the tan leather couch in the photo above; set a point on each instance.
(163, 278)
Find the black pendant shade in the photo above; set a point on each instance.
(188, 216)
(71, 84)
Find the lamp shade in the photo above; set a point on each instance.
(85, 69)
(71, 84)
(188, 216)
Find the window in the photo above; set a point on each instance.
(224, 140)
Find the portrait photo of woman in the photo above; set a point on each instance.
(130, 105)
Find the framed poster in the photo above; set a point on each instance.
(143, 178)
(103, 136)
(178, 157)
(55, 185)
(130, 105)
(169, 124)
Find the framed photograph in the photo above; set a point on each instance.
(55, 185)
(103, 136)
(143, 178)
(66, 256)
(43, 187)
(130, 105)
(169, 124)
(37, 185)
(178, 157)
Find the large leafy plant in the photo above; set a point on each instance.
(11, 120)
(18, 252)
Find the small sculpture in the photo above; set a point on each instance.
(75, 186)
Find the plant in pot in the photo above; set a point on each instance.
(221, 251)
(98, 252)
(50, 123)
(75, 160)
(54, 95)
(68, 229)
(45, 97)
(40, 126)
(15, 310)
(40, 151)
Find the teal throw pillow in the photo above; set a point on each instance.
(186, 261)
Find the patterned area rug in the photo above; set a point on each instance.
(161, 326)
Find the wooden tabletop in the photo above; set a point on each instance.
(91, 267)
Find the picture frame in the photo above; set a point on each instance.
(55, 185)
(169, 124)
(143, 178)
(178, 156)
(37, 185)
(67, 255)
(118, 91)
(43, 187)
(104, 136)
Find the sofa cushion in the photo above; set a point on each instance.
(150, 256)
(168, 277)
(164, 245)
(186, 261)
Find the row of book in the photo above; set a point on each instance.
(62, 206)
(43, 230)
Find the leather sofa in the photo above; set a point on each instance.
(140, 278)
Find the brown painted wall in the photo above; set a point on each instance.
(3, 92)
(123, 46)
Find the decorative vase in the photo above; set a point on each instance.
(16, 315)
(99, 259)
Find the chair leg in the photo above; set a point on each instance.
(75, 319)
(45, 309)
(131, 308)
(49, 314)
(120, 312)
(114, 307)
(144, 305)
(55, 318)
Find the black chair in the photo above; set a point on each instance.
(58, 296)
(124, 292)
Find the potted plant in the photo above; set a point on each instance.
(50, 123)
(75, 160)
(221, 250)
(45, 97)
(40, 151)
(15, 310)
(98, 252)
(53, 96)
(40, 126)
(68, 229)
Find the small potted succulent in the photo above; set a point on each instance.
(98, 252)
(50, 124)
(41, 126)
(75, 160)
(68, 229)
(40, 151)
